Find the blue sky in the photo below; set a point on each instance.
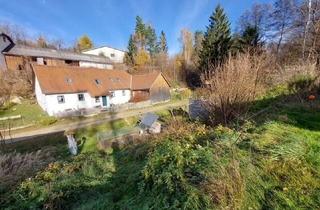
(110, 22)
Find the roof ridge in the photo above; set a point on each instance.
(102, 46)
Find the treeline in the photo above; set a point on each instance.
(145, 47)
(288, 30)
(22, 37)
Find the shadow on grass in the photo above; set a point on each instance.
(288, 109)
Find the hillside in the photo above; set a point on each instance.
(268, 162)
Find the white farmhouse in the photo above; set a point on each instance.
(60, 90)
(115, 55)
(68, 90)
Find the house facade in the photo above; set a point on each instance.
(115, 55)
(63, 90)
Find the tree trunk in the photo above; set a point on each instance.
(306, 30)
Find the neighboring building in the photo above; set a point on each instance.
(14, 57)
(151, 86)
(60, 90)
(115, 55)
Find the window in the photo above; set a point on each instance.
(112, 94)
(60, 99)
(123, 93)
(97, 99)
(98, 82)
(112, 55)
(81, 97)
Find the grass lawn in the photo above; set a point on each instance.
(31, 113)
(111, 129)
(271, 162)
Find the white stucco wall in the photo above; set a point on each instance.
(41, 98)
(50, 104)
(95, 65)
(119, 98)
(71, 102)
(108, 51)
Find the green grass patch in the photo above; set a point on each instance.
(31, 113)
(271, 162)
(115, 128)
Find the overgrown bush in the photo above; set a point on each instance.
(302, 84)
(172, 174)
(233, 86)
(15, 167)
(48, 121)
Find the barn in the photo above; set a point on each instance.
(151, 86)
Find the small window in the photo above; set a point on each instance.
(97, 99)
(81, 97)
(98, 82)
(112, 94)
(45, 63)
(112, 55)
(123, 93)
(60, 99)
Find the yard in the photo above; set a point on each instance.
(261, 163)
(30, 112)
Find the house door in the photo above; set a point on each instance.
(104, 100)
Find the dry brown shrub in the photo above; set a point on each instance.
(15, 83)
(15, 167)
(233, 86)
(285, 74)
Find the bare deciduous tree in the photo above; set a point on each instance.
(187, 45)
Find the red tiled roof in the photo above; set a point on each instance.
(70, 79)
(144, 81)
(97, 82)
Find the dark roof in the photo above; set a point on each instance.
(148, 119)
(57, 54)
(6, 42)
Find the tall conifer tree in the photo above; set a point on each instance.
(163, 43)
(217, 40)
(131, 53)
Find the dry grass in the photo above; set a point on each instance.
(15, 167)
(285, 74)
(15, 83)
(232, 87)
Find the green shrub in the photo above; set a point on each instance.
(181, 95)
(172, 174)
(48, 121)
(302, 82)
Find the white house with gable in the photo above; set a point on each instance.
(115, 55)
(69, 90)
(60, 90)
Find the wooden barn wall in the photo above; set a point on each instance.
(13, 62)
(140, 95)
(54, 62)
(160, 90)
